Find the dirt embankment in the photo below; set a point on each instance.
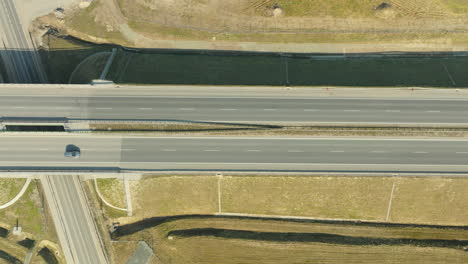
(334, 26)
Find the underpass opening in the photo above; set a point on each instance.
(34, 128)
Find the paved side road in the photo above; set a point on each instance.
(76, 230)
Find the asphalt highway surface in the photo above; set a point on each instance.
(231, 152)
(232, 109)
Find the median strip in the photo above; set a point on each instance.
(240, 128)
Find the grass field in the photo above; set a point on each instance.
(320, 197)
(415, 200)
(123, 250)
(113, 191)
(156, 31)
(343, 8)
(435, 201)
(162, 196)
(34, 219)
(233, 240)
(440, 201)
(457, 6)
(27, 211)
(10, 188)
(173, 215)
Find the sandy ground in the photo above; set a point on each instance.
(28, 10)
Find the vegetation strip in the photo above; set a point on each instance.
(277, 129)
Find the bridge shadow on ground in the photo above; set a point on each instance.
(206, 67)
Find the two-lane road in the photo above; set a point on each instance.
(232, 109)
(238, 153)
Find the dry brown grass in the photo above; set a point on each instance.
(9, 188)
(174, 195)
(12, 249)
(415, 200)
(208, 250)
(113, 191)
(161, 126)
(426, 200)
(122, 251)
(431, 200)
(224, 250)
(35, 220)
(335, 21)
(322, 197)
(337, 197)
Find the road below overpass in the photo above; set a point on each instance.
(232, 109)
(74, 223)
(21, 59)
(226, 153)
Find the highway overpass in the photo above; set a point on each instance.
(230, 153)
(233, 104)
